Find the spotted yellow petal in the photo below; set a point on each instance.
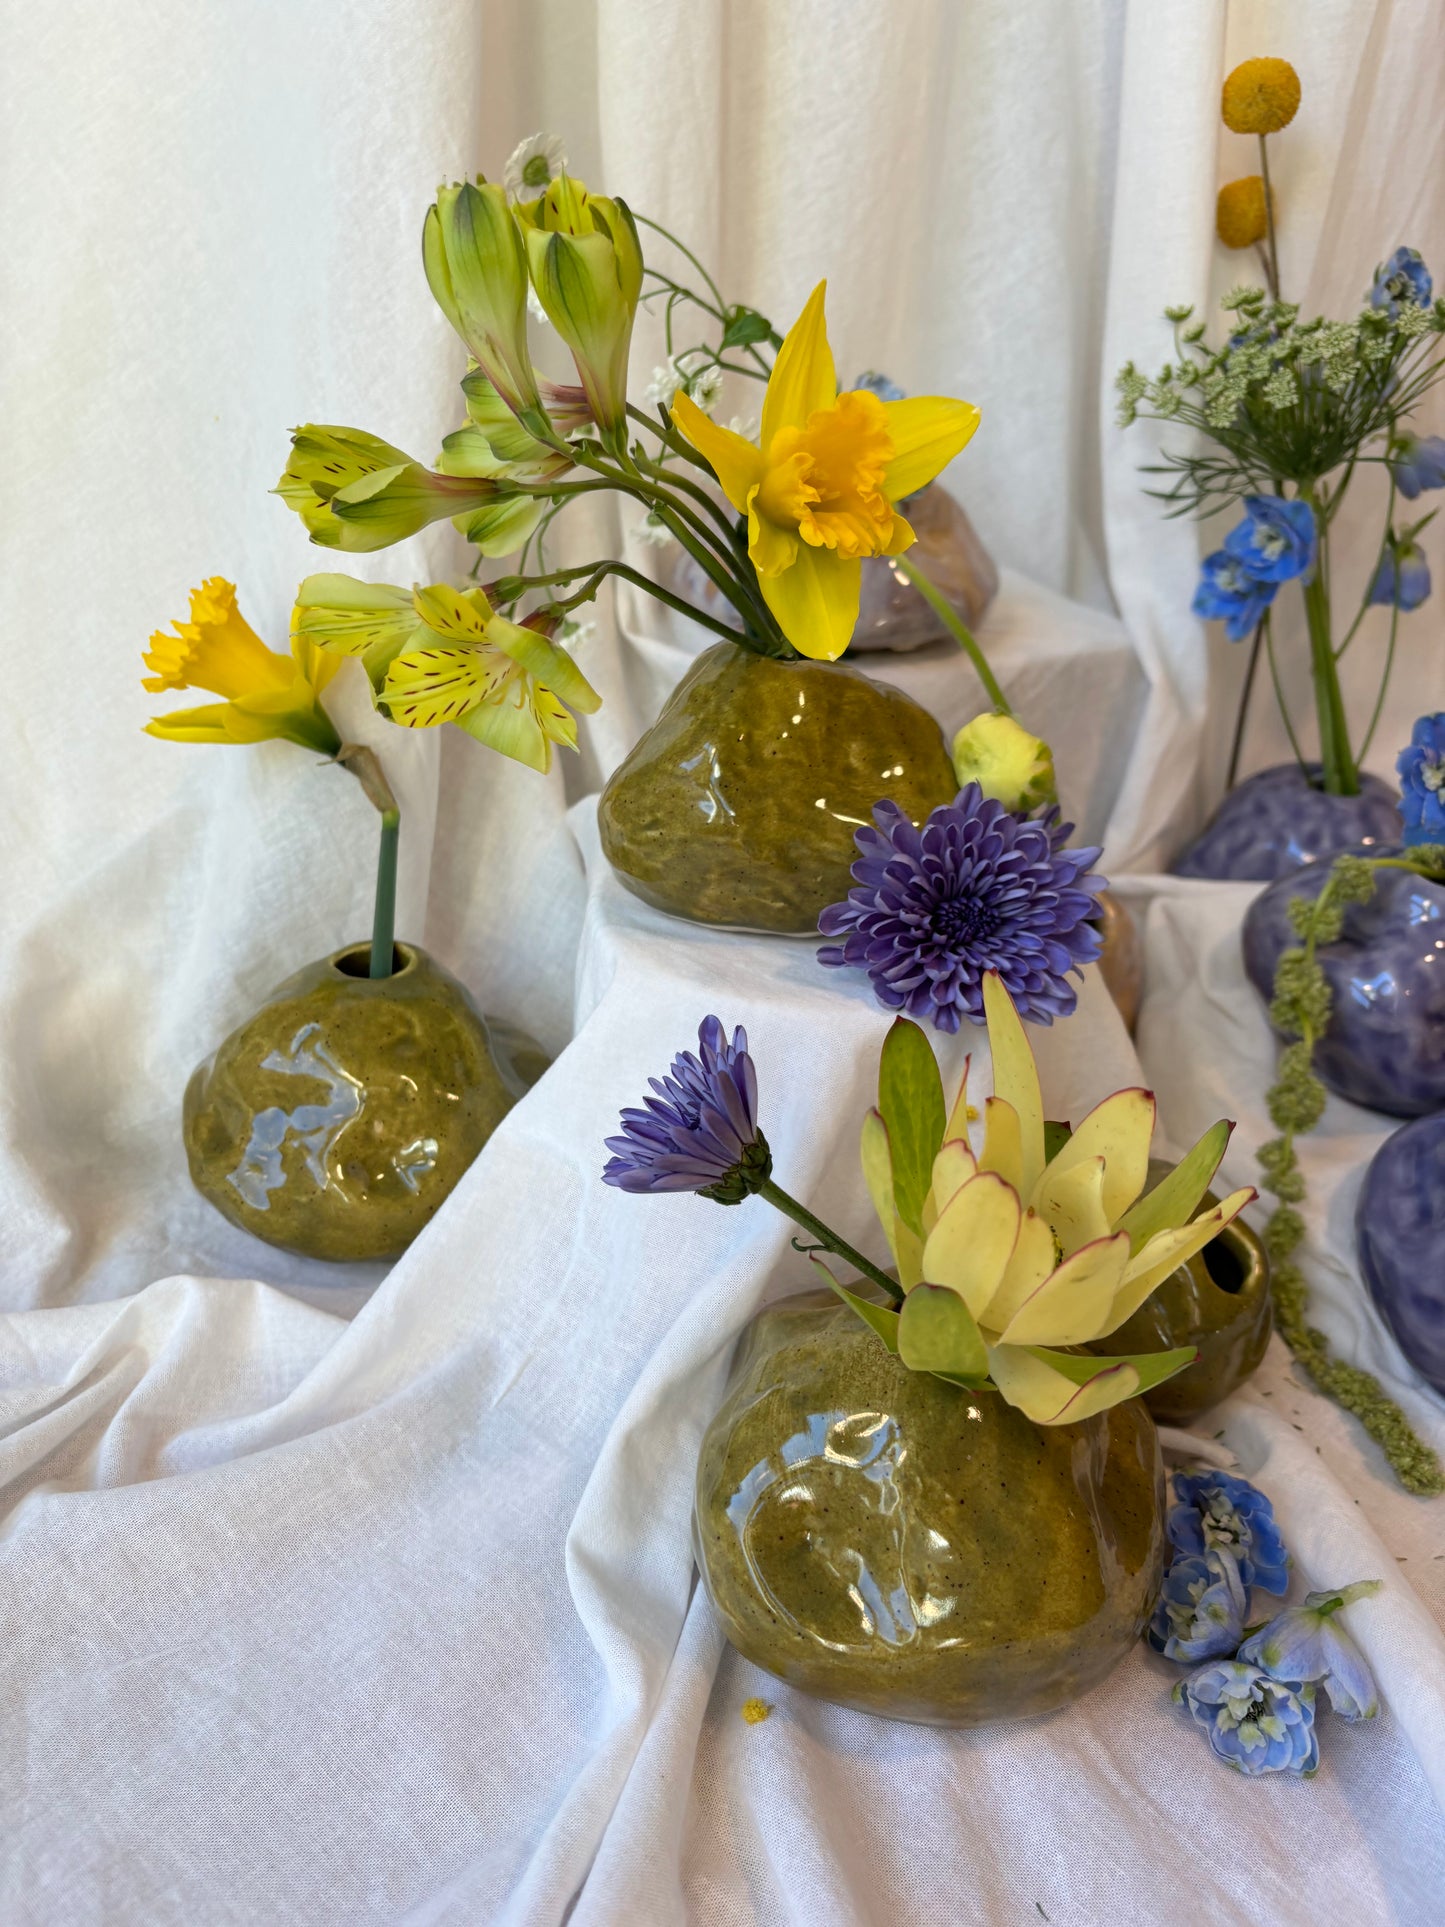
(803, 378)
(927, 432)
(425, 687)
(815, 602)
(548, 665)
(737, 462)
(1072, 1304)
(507, 722)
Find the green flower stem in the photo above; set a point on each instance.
(1369, 736)
(829, 1240)
(1269, 219)
(959, 630)
(1242, 715)
(1299, 754)
(383, 923)
(1365, 604)
(1341, 776)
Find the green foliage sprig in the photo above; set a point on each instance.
(1301, 1010)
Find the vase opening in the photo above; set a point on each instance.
(356, 961)
(1227, 1265)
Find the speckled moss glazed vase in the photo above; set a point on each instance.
(337, 1119)
(879, 1538)
(738, 806)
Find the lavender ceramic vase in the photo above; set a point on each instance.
(1385, 1046)
(1400, 1234)
(1279, 819)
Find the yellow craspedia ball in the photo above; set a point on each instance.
(1240, 216)
(1260, 97)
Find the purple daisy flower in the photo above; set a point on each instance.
(699, 1132)
(978, 888)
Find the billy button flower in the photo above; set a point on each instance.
(1240, 217)
(264, 694)
(354, 491)
(819, 487)
(1260, 97)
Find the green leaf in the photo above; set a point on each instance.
(745, 326)
(878, 1318)
(1056, 1136)
(1174, 1200)
(910, 1098)
(1153, 1367)
(936, 1333)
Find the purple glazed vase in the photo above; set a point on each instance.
(1279, 819)
(1400, 1235)
(1385, 1046)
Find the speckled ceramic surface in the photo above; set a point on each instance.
(879, 1538)
(337, 1119)
(1400, 1233)
(738, 806)
(1385, 1046)
(1276, 820)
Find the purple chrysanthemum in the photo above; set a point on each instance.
(978, 888)
(699, 1132)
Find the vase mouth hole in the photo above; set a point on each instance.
(1227, 1265)
(355, 961)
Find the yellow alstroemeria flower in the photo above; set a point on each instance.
(265, 694)
(819, 488)
(442, 655)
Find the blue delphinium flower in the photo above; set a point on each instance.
(1276, 540)
(1403, 574)
(1305, 1645)
(977, 888)
(1403, 278)
(1254, 1723)
(1200, 1614)
(1217, 1509)
(699, 1132)
(1227, 591)
(1417, 462)
(1421, 768)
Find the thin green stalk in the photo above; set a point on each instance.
(1269, 219)
(958, 629)
(1385, 677)
(1341, 775)
(1241, 718)
(829, 1240)
(1365, 604)
(1299, 755)
(383, 923)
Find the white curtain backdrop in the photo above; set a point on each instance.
(348, 1596)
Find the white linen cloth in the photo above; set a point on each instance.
(389, 1618)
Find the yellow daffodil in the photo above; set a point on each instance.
(265, 694)
(820, 486)
(442, 655)
(586, 265)
(1009, 1254)
(356, 492)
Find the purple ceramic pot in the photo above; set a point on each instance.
(1385, 1046)
(1279, 819)
(1400, 1233)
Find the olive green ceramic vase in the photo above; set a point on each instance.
(337, 1119)
(738, 806)
(1219, 1301)
(882, 1539)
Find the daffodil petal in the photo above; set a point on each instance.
(1072, 1304)
(737, 462)
(815, 602)
(1118, 1131)
(927, 432)
(970, 1246)
(803, 378)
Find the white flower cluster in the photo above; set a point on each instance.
(695, 373)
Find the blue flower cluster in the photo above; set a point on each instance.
(1255, 1694)
(1403, 279)
(1274, 543)
(1421, 768)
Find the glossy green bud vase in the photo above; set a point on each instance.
(337, 1119)
(738, 806)
(882, 1539)
(1218, 1301)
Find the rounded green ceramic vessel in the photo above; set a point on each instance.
(879, 1538)
(738, 806)
(337, 1119)
(1218, 1301)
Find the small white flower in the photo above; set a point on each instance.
(533, 165)
(652, 533)
(695, 373)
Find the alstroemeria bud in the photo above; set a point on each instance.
(356, 492)
(1009, 765)
(586, 265)
(476, 267)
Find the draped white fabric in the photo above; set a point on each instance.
(347, 1597)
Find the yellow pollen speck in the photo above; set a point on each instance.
(1260, 97)
(1240, 216)
(756, 1711)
